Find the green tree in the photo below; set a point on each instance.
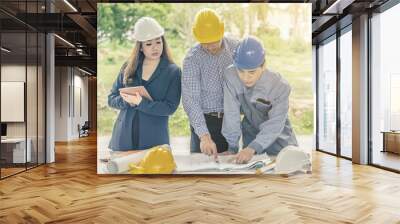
(116, 20)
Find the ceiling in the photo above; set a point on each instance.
(330, 15)
(73, 21)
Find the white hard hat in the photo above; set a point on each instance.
(291, 159)
(147, 28)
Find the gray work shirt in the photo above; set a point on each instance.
(202, 82)
(265, 107)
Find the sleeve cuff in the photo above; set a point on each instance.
(254, 145)
(143, 103)
(200, 131)
(125, 104)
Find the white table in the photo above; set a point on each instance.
(18, 145)
(195, 160)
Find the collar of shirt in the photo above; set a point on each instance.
(222, 51)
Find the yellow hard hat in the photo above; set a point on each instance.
(208, 26)
(158, 160)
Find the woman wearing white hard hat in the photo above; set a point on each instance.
(143, 122)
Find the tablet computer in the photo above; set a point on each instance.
(136, 89)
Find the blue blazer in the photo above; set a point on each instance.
(164, 86)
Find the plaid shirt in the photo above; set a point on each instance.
(202, 82)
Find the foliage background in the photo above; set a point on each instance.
(285, 30)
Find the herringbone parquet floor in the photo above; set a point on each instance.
(70, 191)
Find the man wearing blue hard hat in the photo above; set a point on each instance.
(263, 97)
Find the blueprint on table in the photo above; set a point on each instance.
(200, 162)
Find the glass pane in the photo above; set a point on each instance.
(394, 102)
(31, 85)
(13, 86)
(386, 89)
(31, 97)
(16, 5)
(41, 98)
(23, 82)
(346, 94)
(327, 97)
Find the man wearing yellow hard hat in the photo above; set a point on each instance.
(202, 82)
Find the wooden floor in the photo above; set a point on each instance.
(70, 191)
(387, 159)
(10, 171)
(5, 172)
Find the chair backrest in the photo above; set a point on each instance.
(86, 125)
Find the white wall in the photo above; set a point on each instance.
(13, 73)
(61, 103)
(33, 126)
(81, 83)
(69, 85)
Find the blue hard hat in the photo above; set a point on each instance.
(249, 54)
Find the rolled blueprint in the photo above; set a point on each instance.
(121, 164)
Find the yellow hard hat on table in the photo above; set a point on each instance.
(208, 26)
(158, 160)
